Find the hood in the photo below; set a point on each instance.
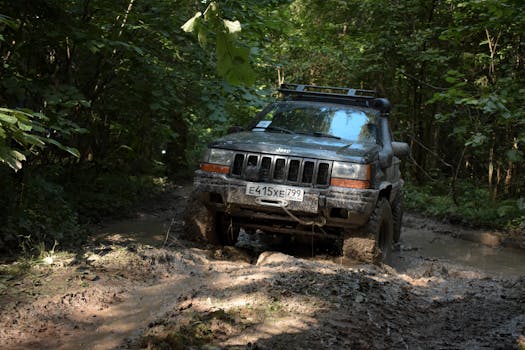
(298, 145)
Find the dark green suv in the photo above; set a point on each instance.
(319, 162)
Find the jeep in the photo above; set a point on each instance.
(318, 162)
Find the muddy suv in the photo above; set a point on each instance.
(319, 162)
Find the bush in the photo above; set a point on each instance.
(475, 206)
(45, 207)
(39, 216)
(109, 195)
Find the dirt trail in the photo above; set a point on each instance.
(135, 286)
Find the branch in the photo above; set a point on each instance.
(420, 168)
(413, 138)
(423, 82)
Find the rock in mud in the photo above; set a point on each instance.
(275, 258)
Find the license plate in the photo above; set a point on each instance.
(274, 191)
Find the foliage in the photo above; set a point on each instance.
(233, 61)
(39, 216)
(453, 69)
(475, 207)
(121, 92)
(110, 194)
(25, 129)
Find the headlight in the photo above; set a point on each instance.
(351, 171)
(351, 175)
(219, 156)
(217, 161)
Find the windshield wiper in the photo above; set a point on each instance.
(277, 128)
(322, 134)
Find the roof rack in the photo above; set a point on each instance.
(359, 97)
(314, 90)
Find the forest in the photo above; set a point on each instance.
(104, 102)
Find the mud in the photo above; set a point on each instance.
(137, 285)
(434, 240)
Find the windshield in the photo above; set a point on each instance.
(321, 120)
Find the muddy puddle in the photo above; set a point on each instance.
(137, 286)
(147, 228)
(421, 242)
(416, 241)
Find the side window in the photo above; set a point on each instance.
(369, 132)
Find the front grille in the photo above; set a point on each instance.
(282, 169)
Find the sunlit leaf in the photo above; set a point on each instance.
(232, 26)
(190, 24)
(19, 156)
(8, 118)
(24, 126)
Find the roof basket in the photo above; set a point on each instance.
(365, 98)
(314, 90)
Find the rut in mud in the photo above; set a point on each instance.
(137, 286)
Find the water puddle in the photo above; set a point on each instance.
(504, 262)
(147, 229)
(415, 242)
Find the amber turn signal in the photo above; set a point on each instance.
(361, 184)
(215, 168)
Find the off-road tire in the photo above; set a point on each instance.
(200, 222)
(362, 249)
(397, 216)
(376, 246)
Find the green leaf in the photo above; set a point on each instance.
(504, 210)
(24, 126)
(514, 155)
(25, 139)
(13, 163)
(10, 119)
(70, 150)
(202, 36)
(8, 21)
(476, 140)
(11, 157)
(19, 156)
(233, 63)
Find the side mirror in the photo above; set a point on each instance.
(400, 149)
(235, 129)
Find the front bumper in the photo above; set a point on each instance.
(338, 207)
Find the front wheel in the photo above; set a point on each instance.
(376, 247)
(381, 226)
(397, 216)
(200, 222)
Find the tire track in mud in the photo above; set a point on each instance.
(127, 291)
